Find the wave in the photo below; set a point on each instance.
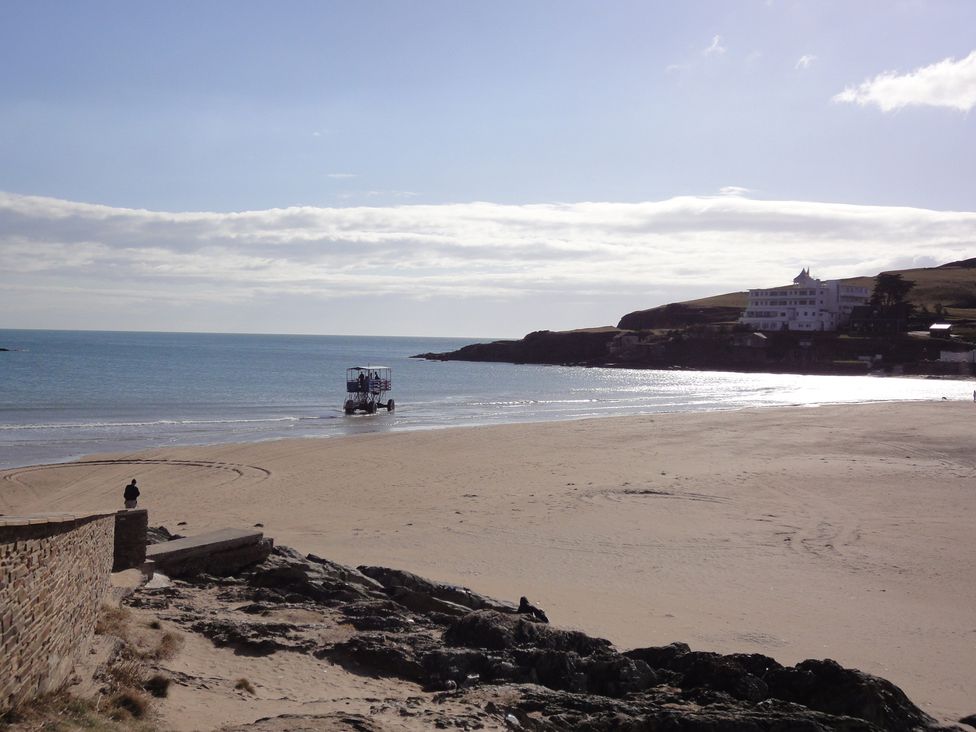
(153, 423)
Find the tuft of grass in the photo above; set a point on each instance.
(155, 625)
(62, 712)
(126, 670)
(245, 685)
(169, 644)
(157, 685)
(128, 704)
(113, 621)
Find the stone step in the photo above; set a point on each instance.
(216, 552)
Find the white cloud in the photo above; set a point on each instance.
(948, 83)
(341, 176)
(715, 47)
(483, 252)
(805, 61)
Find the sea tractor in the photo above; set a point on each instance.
(366, 388)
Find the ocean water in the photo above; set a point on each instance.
(66, 394)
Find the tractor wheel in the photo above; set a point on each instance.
(390, 406)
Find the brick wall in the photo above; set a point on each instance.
(54, 573)
(131, 526)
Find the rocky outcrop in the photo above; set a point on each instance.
(291, 577)
(522, 672)
(418, 593)
(573, 347)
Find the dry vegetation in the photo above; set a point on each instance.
(64, 712)
(126, 681)
(245, 685)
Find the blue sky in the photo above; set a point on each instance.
(462, 168)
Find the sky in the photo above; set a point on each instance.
(473, 169)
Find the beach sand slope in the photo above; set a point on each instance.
(838, 532)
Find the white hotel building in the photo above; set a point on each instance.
(807, 305)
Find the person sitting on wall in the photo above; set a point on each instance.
(131, 494)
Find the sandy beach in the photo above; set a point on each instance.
(840, 532)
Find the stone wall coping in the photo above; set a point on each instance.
(36, 519)
(202, 544)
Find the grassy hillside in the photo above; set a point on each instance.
(951, 285)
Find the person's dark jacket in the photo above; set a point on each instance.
(131, 492)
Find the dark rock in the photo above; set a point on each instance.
(720, 673)
(755, 663)
(331, 722)
(383, 615)
(259, 639)
(461, 664)
(615, 675)
(266, 594)
(371, 607)
(494, 630)
(312, 578)
(159, 534)
(828, 687)
(255, 608)
(395, 579)
(527, 608)
(659, 656)
(551, 710)
(424, 603)
(397, 654)
(389, 624)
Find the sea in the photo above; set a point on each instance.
(68, 394)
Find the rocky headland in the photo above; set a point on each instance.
(704, 334)
(478, 663)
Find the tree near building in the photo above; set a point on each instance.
(890, 291)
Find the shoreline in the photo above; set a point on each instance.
(488, 421)
(837, 532)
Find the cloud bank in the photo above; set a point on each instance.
(948, 83)
(63, 254)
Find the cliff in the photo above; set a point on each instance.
(573, 347)
(709, 310)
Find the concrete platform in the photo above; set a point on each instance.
(216, 552)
